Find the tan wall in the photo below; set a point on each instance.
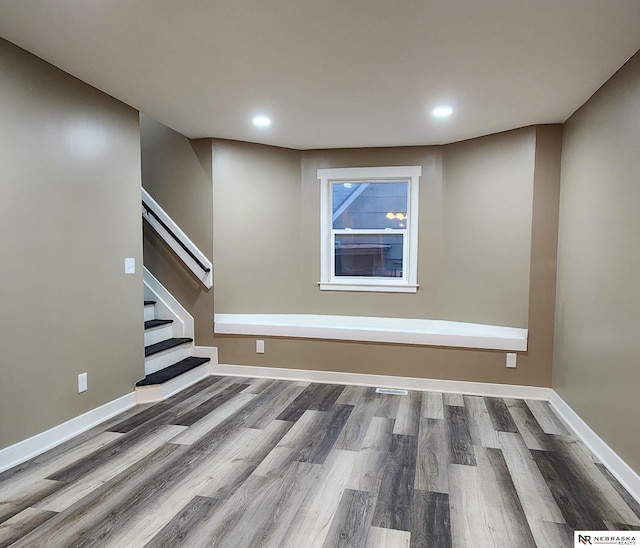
(176, 172)
(487, 208)
(257, 218)
(69, 215)
(596, 352)
(496, 173)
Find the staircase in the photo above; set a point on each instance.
(170, 363)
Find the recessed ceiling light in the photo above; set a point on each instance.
(442, 111)
(261, 121)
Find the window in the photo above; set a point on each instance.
(369, 228)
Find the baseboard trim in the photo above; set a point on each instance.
(629, 479)
(387, 381)
(35, 445)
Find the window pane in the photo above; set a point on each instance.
(369, 205)
(373, 255)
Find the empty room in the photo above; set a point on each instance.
(319, 274)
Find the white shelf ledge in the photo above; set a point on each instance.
(371, 329)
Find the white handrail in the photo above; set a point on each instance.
(165, 226)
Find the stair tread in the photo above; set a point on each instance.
(165, 345)
(172, 371)
(155, 323)
(149, 303)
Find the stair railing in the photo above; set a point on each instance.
(176, 239)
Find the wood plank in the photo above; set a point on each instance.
(432, 405)
(471, 523)
(572, 494)
(500, 416)
(479, 422)
(176, 532)
(316, 448)
(311, 523)
(279, 502)
(504, 506)
(632, 503)
(450, 398)
(547, 419)
(279, 403)
(203, 409)
(611, 505)
(105, 470)
(533, 491)
(24, 478)
(350, 524)
(380, 537)
(40, 489)
(198, 430)
(528, 427)
(355, 430)
(21, 524)
(387, 406)
(106, 454)
(432, 465)
(102, 509)
(394, 507)
(460, 444)
(368, 466)
(431, 520)
(316, 397)
(352, 393)
(408, 418)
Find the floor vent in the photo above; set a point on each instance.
(394, 391)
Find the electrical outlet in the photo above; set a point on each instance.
(259, 346)
(511, 359)
(82, 382)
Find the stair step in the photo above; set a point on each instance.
(156, 323)
(172, 371)
(165, 345)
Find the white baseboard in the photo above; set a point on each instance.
(35, 445)
(386, 381)
(629, 479)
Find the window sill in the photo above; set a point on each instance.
(372, 329)
(374, 287)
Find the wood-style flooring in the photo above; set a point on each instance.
(236, 462)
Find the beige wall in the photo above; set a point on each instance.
(490, 205)
(474, 231)
(597, 321)
(176, 172)
(257, 217)
(487, 208)
(69, 215)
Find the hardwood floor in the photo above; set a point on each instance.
(236, 462)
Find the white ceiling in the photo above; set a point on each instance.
(335, 73)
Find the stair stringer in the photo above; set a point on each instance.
(167, 306)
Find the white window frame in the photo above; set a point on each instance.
(409, 281)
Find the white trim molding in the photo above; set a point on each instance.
(168, 306)
(387, 381)
(205, 277)
(629, 479)
(363, 177)
(372, 329)
(35, 445)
